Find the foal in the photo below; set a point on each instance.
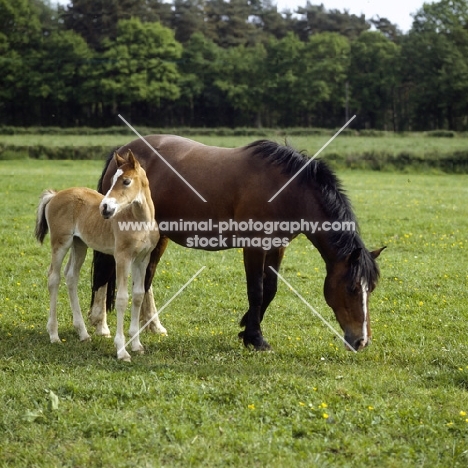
(79, 218)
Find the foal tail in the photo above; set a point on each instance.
(42, 227)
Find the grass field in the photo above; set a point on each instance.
(412, 142)
(197, 397)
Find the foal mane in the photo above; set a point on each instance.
(335, 203)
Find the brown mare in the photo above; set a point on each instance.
(237, 184)
(79, 218)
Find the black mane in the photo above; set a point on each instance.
(333, 198)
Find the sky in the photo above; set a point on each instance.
(396, 11)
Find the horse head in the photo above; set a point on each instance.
(348, 285)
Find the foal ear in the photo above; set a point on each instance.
(354, 256)
(132, 160)
(377, 252)
(118, 159)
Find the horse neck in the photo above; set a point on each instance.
(329, 243)
(328, 248)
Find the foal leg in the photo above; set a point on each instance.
(254, 260)
(103, 272)
(58, 254)
(72, 275)
(138, 292)
(123, 267)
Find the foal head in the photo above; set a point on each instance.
(348, 285)
(129, 186)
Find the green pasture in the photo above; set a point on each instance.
(409, 152)
(198, 397)
(418, 143)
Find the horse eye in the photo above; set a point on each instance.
(127, 182)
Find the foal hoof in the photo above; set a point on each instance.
(124, 356)
(138, 350)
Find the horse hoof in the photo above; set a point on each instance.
(156, 328)
(55, 339)
(259, 344)
(263, 347)
(85, 338)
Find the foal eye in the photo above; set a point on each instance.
(127, 182)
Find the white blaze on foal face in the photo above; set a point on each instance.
(109, 206)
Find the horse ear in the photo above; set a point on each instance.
(118, 159)
(355, 255)
(377, 252)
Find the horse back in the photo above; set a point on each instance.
(227, 178)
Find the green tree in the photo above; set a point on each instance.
(313, 19)
(321, 86)
(20, 23)
(435, 66)
(188, 18)
(241, 77)
(57, 75)
(200, 99)
(283, 68)
(227, 22)
(97, 20)
(140, 67)
(373, 78)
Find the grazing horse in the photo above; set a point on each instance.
(214, 198)
(79, 218)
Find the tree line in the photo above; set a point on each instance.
(230, 63)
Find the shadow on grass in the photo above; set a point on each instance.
(202, 354)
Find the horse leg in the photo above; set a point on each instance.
(270, 278)
(254, 261)
(72, 275)
(58, 254)
(97, 315)
(138, 292)
(103, 271)
(122, 270)
(148, 312)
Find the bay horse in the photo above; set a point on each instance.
(78, 218)
(231, 187)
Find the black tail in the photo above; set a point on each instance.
(103, 272)
(103, 266)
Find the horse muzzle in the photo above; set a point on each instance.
(356, 343)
